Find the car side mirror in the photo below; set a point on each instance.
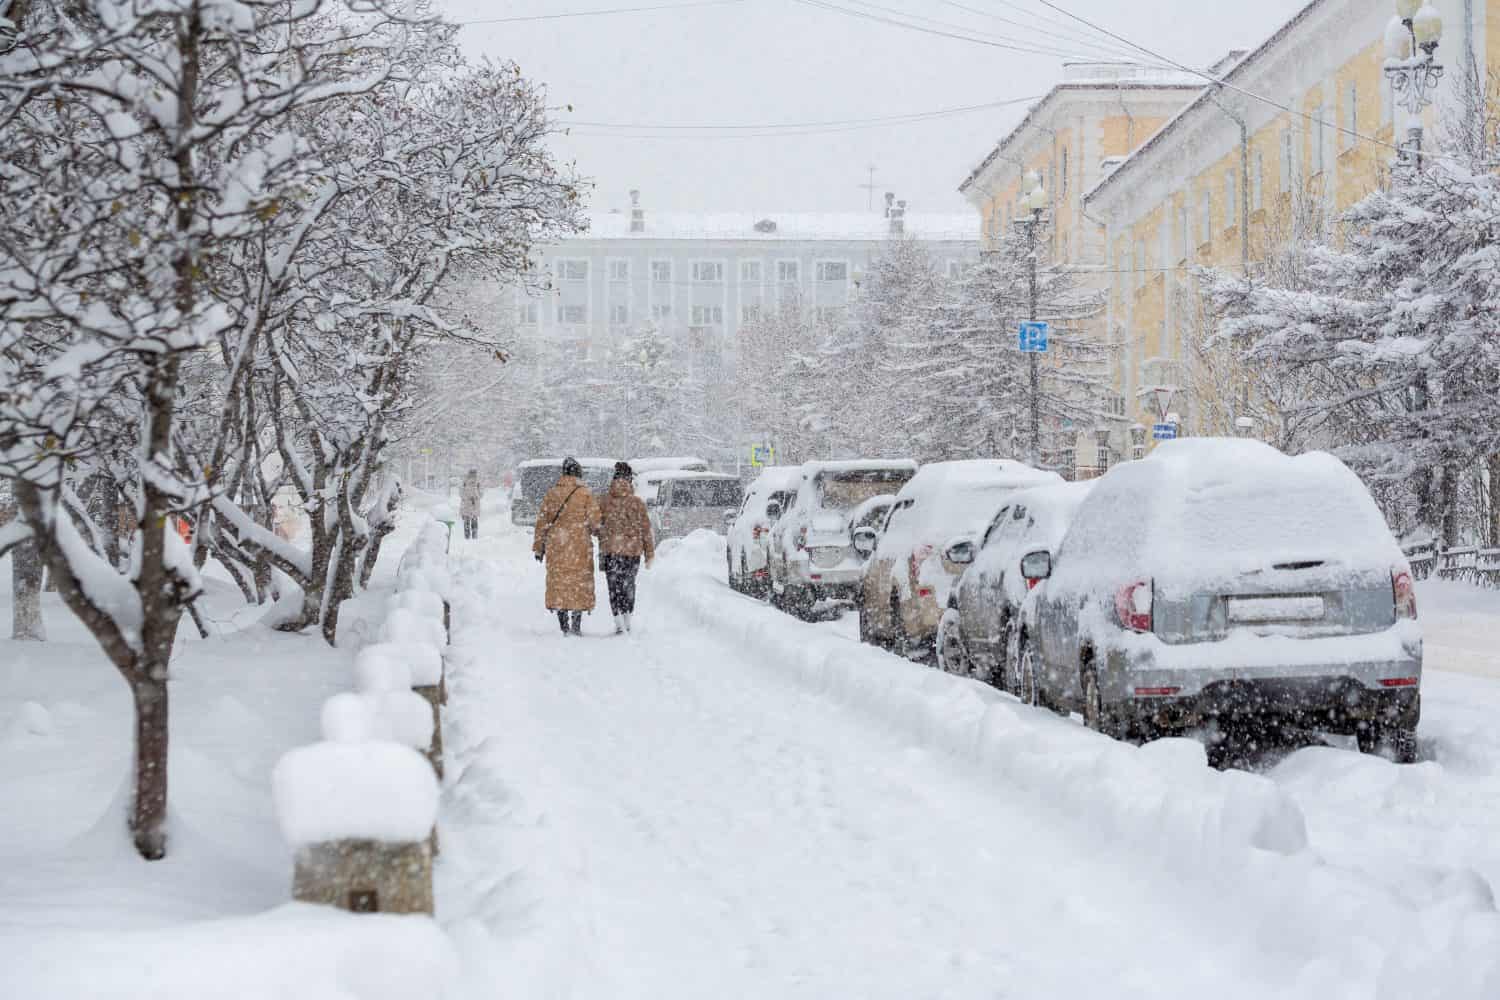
(773, 511)
(1036, 566)
(960, 553)
(865, 540)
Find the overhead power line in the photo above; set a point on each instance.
(806, 127)
(601, 13)
(1107, 49)
(960, 35)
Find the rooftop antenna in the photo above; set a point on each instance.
(870, 187)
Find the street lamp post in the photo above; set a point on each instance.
(1034, 201)
(1411, 41)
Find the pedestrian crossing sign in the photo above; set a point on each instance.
(762, 455)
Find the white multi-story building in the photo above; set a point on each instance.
(701, 277)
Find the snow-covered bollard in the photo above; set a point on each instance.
(359, 813)
(407, 666)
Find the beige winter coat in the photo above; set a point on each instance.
(565, 529)
(468, 504)
(625, 530)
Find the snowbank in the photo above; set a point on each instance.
(1162, 797)
(293, 951)
(404, 626)
(337, 791)
(402, 716)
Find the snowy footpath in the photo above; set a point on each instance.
(729, 803)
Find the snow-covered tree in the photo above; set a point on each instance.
(1396, 332)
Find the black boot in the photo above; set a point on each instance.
(577, 625)
(562, 621)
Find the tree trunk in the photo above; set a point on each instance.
(148, 804)
(1494, 525)
(1449, 505)
(26, 576)
(342, 586)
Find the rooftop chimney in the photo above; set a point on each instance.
(637, 213)
(898, 218)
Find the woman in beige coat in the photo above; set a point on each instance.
(624, 540)
(564, 538)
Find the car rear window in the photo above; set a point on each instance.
(707, 493)
(847, 490)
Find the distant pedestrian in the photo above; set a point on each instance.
(564, 538)
(624, 540)
(468, 503)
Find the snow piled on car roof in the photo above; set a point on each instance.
(1220, 507)
(860, 465)
(979, 474)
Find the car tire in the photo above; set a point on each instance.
(1028, 686)
(1095, 713)
(799, 602)
(1395, 741)
(735, 583)
(902, 643)
(952, 655)
(1007, 671)
(867, 633)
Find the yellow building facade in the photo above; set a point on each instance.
(1300, 128)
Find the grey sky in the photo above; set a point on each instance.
(760, 61)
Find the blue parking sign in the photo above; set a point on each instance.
(1033, 338)
(1164, 432)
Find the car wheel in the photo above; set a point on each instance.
(1026, 681)
(901, 642)
(735, 583)
(799, 601)
(1095, 713)
(867, 633)
(952, 656)
(1395, 741)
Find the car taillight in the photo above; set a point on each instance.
(1405, 592)
(802, 538)
(1133, 606)
(757, 531)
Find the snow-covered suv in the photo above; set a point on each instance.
(1219, 578)
(813, 554)
(747, 557)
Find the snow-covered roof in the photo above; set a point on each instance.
(811, 469)
(789, 226)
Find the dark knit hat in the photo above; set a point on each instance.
(572, 468)
(624, 471)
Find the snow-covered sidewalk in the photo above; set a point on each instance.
(679, 814)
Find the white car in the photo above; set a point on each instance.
(750, 536)
(813, 555)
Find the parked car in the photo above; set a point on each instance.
(535, 477)
(689, 501)
(906, 582)
(979, 632)
(813, 554)
(768, 497)
(650, 472)
(1219, 580)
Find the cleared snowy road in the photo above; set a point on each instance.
(732, 804)
(656, 817)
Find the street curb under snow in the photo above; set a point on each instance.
(1162, 798)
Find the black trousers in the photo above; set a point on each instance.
(620, 573)
(471, 527)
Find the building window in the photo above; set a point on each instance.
(955, 269)
(1351, 115)
(1288, 159)
(661, 314)
(788, 272)
(1064, 171)
(750, 272)
(1231, 202)
(619, 315)
(708, 271)
(1184, 232)
(1319, 137)
(572, 314)
(830, 315)
(1206, 231)
(619, 270)
(661, 271)
(1257, 181)
(573, 270)
(749, 314)
(708, 315)
(832, 270)
(527, 314)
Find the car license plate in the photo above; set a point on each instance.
(1256, 610)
